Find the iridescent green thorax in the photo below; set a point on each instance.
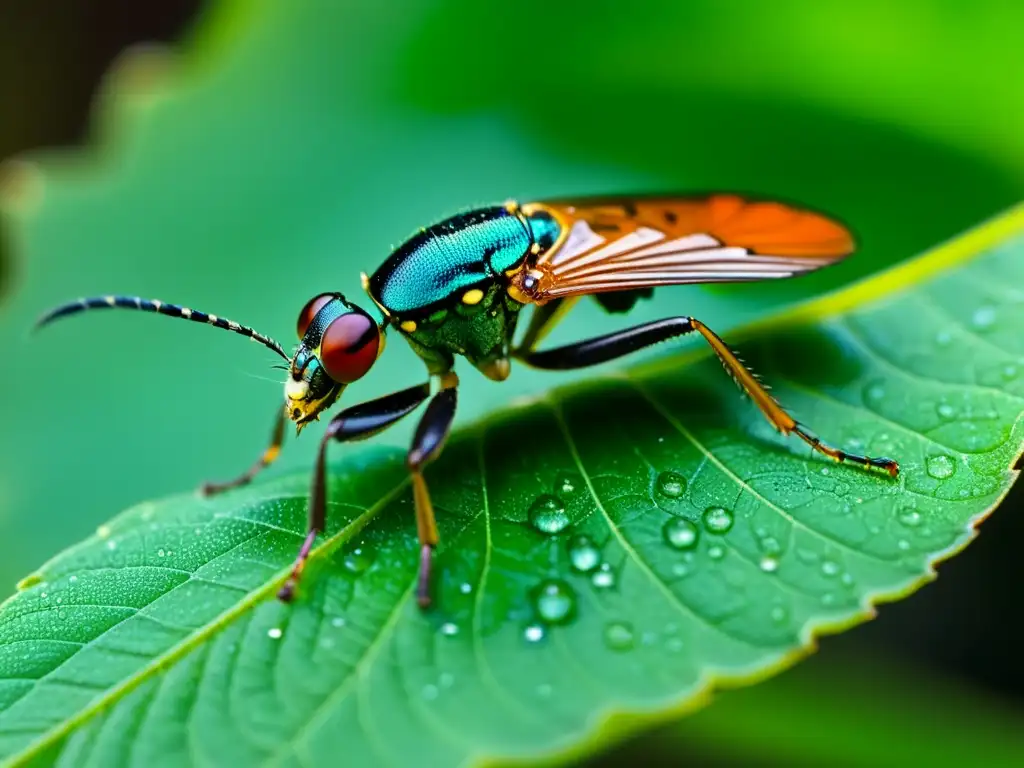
(453, 255)
(446, 287)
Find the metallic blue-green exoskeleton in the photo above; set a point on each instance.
(456, 289)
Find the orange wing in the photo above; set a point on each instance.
(615, 244)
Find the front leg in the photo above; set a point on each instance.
(355, 423)
(269, 457)
(426, 446)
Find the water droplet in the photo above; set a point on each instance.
(72, 579)
(770, 545)
(680, 533)
(716, 552)
(940, 467)
(161, 553)
(554, 601)
(680, 569)
(826, 471)
(903, 545)
(945, 410)
(584, 556)
(430, 692)
(548, 515)
(103, 531)
(717, 520)
(534, 633)
(618, 636)
(830, 568)
(274, 633)
(828, 598)
(603, 577)
(357, 561)
(847, 579)
(779, 614)
(449, 629)
(565, 484)
(465, 587)
(338, 621)
(984, 317)
(671, 484)
(769, 564)
(909, 517)
(874, 391)
(112, 544)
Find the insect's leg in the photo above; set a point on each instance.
(355, 423)
(269, 457)
(613, 345)
(426, 446)
(544, 318)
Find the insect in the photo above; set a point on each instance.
(456, 289)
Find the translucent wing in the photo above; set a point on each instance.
(615, 244)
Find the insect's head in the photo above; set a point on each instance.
(339, 343)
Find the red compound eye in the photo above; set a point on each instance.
(349, 346)
(309, 311)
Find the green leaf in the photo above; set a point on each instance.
(158, 639)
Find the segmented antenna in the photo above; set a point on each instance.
(152, 305)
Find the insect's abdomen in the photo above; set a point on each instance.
(450, 257)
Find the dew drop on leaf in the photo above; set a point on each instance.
(984, 317)
(680, 533)
(274, 633)
(554, 601)
(449, 629)
(584, 556)
(769, 564)
(618, 636)
(830, 568)
(547, 514)
(565, 484)
(533, 633)
(909, 517)
(940, 467)
(717, 520)
(465, 587)
(717, 552)
(671, 484)
(357, 561)
(874, 391)
(603, 577)
(338, 622)
(945, 410)
(779, 614)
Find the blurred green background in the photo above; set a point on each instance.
(349, 125)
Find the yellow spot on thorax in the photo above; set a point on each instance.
(408, 325)
(472, 296)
